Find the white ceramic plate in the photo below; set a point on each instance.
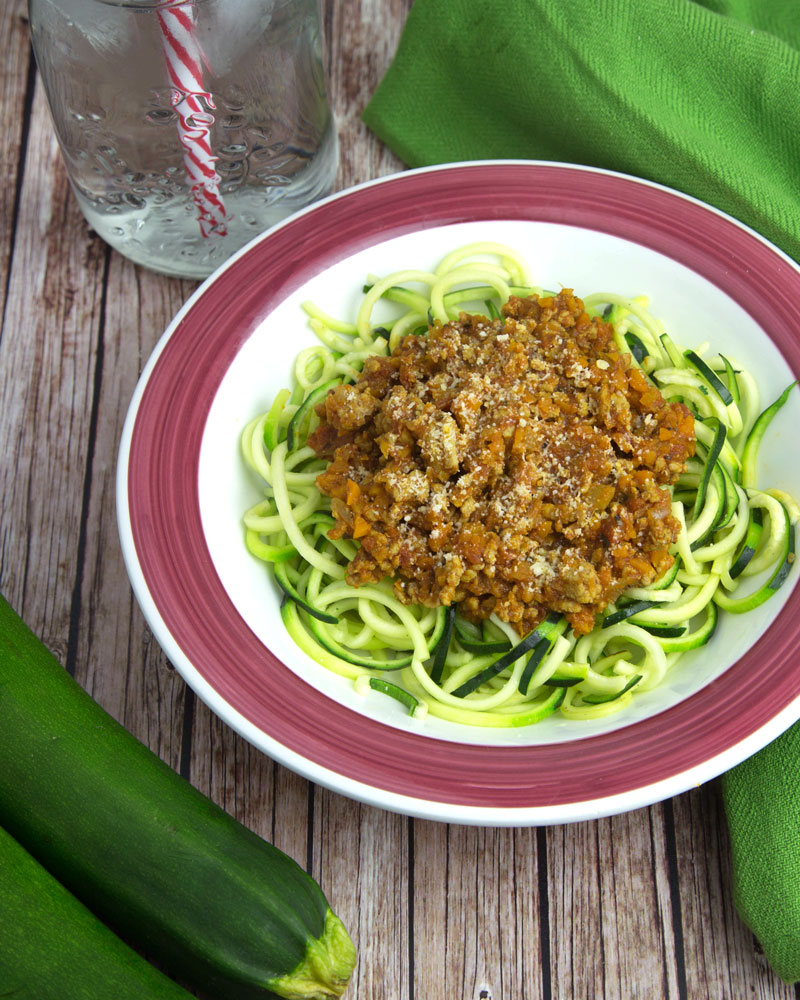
(183, 488)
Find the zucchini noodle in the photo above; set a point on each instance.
(434, 660)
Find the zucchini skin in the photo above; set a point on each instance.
(53, 948)
(219, 908)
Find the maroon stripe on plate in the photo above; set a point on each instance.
(180, 576)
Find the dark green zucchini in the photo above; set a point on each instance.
(547, 629)
(730, 374)
(540, 650)
(781, 570)
(304, 411)
(712, 454)
(692, 640)
(665, 631)
(601, 699)
(53, 948)
(477, 640)
(180, 879)
(673, 353)
(638, 350)
(283, 581)
(396, 692)
(323, 638)
(748, 547)
(442, 646)
(713, 380)
(754, 438)
(716, 499)
(567, 674)
(628, 611)
(731, 499)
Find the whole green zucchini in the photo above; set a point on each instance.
(53, 948)
(221, 909)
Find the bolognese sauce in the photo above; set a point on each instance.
(514, 466)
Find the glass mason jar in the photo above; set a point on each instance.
(187, 127)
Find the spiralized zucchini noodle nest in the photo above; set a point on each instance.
(734, 550)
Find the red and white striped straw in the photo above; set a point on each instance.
(192, 103)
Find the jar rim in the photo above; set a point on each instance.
(147, 4)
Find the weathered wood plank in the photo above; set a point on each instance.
(723, 960)
(118, 661)
(476, 909)
(14, 78)
(361, 859)
(47, 366)
(610, 917)
(361, 39)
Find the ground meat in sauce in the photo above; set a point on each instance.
(513, 466)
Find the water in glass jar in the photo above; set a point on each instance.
(188, 127)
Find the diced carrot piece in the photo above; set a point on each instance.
(353, 492)
(360, 527)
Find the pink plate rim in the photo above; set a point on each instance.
(202, 632)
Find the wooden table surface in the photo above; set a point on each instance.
(636, 906)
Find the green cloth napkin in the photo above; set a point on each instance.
(762, 803)
(702, 97)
